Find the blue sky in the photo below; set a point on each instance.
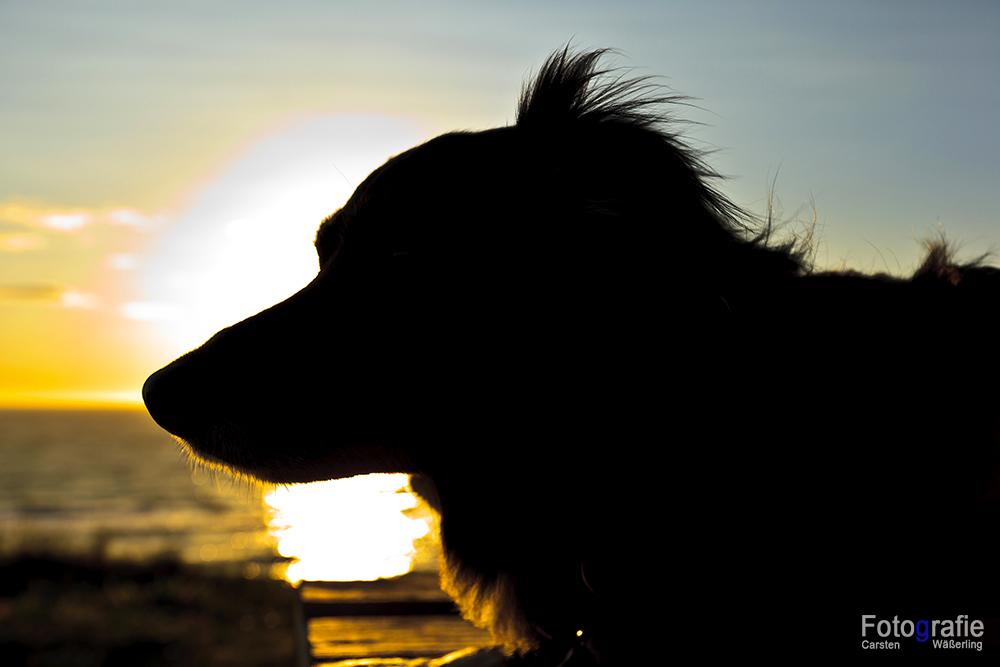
(885, 112)
(126, 128)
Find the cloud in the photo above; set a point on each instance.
(74, 298)
(151, 311)
(32, 292)
(65, 221)
(17, 236)
(48, 293)
(123, 261)
(131, 217)
(20, 242)
(18, 214)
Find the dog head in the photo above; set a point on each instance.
(509, 280)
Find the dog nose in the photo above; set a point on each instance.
(169, 401)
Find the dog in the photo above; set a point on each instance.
(638, 414)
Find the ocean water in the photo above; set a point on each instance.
(112, 484)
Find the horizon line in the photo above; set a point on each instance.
(71, 400)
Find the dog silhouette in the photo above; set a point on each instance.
(640, 417)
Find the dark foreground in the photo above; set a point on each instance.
(88, 613)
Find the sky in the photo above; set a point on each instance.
(164, 165)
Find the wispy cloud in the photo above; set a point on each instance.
(74, 298)
(31, 292)
(151, 311)
(20, 241)
(123, 261)
(48, 294)
(65, 222)
(26, 214)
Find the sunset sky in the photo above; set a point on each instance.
(164, 165)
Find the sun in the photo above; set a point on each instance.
(246, 241)
(352, 529)
(245, 244)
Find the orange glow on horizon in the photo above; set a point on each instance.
(94, 299)
(79, 400)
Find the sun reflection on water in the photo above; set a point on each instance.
(348, 529)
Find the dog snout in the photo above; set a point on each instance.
(172, 401)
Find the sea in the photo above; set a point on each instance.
(112, 485)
